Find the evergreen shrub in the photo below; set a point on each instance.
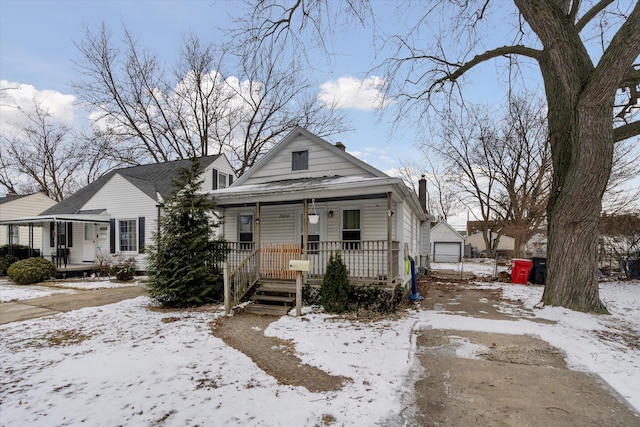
(31, 270)
(182, 264)
(334, 293)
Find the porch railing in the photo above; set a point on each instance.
(366, 260)
(239, 279)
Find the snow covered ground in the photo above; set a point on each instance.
(12, 292)
(123, 364)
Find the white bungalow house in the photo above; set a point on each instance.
(117, 213)
(16, 206)
(307, 198)
(447, 245)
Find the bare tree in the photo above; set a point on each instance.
(241, 114)
(41, 155)
(465, 146)
(521, 159)
(442, 196)
(586, 89)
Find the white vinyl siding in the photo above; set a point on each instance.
(221, 164)
(123, 201)
(321, 162)
(22, 207)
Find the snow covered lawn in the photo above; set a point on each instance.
(124, 364)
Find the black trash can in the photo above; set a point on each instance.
(538, 274)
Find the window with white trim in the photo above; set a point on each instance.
(351, 231)
(127, 235)
(245, 230)
(222, 180)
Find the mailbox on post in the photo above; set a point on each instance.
(299, 265)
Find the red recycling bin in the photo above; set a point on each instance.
(520, 269)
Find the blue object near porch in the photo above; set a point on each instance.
(415, 296)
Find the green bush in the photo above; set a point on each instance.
(31, 270)
(334, 293)
(19, 251)
(123, 268)
(5, 262)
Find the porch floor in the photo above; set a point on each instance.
(78, 269)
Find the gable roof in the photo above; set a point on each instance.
(8, 199)
(314, 138)
(442, 224)
(150, 179)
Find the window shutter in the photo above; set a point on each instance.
(112, 236)
(230, 179)
(69, 234)
(141, 234)
(52, 234)
(215, 179)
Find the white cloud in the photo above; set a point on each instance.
(13, 95)
(348, 92)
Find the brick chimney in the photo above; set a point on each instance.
(341, 146)
(422, 192)
(11, 194)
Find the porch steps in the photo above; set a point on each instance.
(273, 298)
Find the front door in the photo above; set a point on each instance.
(89, 243)
(317, 233)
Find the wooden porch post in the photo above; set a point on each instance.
(258, 263)
(389, 239)
(227, 288)
(305, 228)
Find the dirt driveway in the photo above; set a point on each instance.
(517, 381)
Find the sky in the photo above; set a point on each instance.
(124, 364)
(38, 48)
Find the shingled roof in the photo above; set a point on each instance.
(7, 199)
(150, 179)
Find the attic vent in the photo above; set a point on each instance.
(341, 146)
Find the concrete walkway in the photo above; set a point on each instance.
(245, 333)
(61, 303)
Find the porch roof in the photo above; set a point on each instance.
(40, 219)
(335, 187)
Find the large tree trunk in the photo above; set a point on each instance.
(580, 98)
(574, 212)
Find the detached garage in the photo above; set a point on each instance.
(447, 244)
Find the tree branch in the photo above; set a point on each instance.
(490, 54)
(591, 13)
(626, 131)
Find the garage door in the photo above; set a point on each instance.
(446, 251)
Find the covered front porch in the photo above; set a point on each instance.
(72, 241)
(368, 221)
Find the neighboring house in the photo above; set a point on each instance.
(306, 199)
(505, 244)
(118, 212)
(447, 245)
(13, 206)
